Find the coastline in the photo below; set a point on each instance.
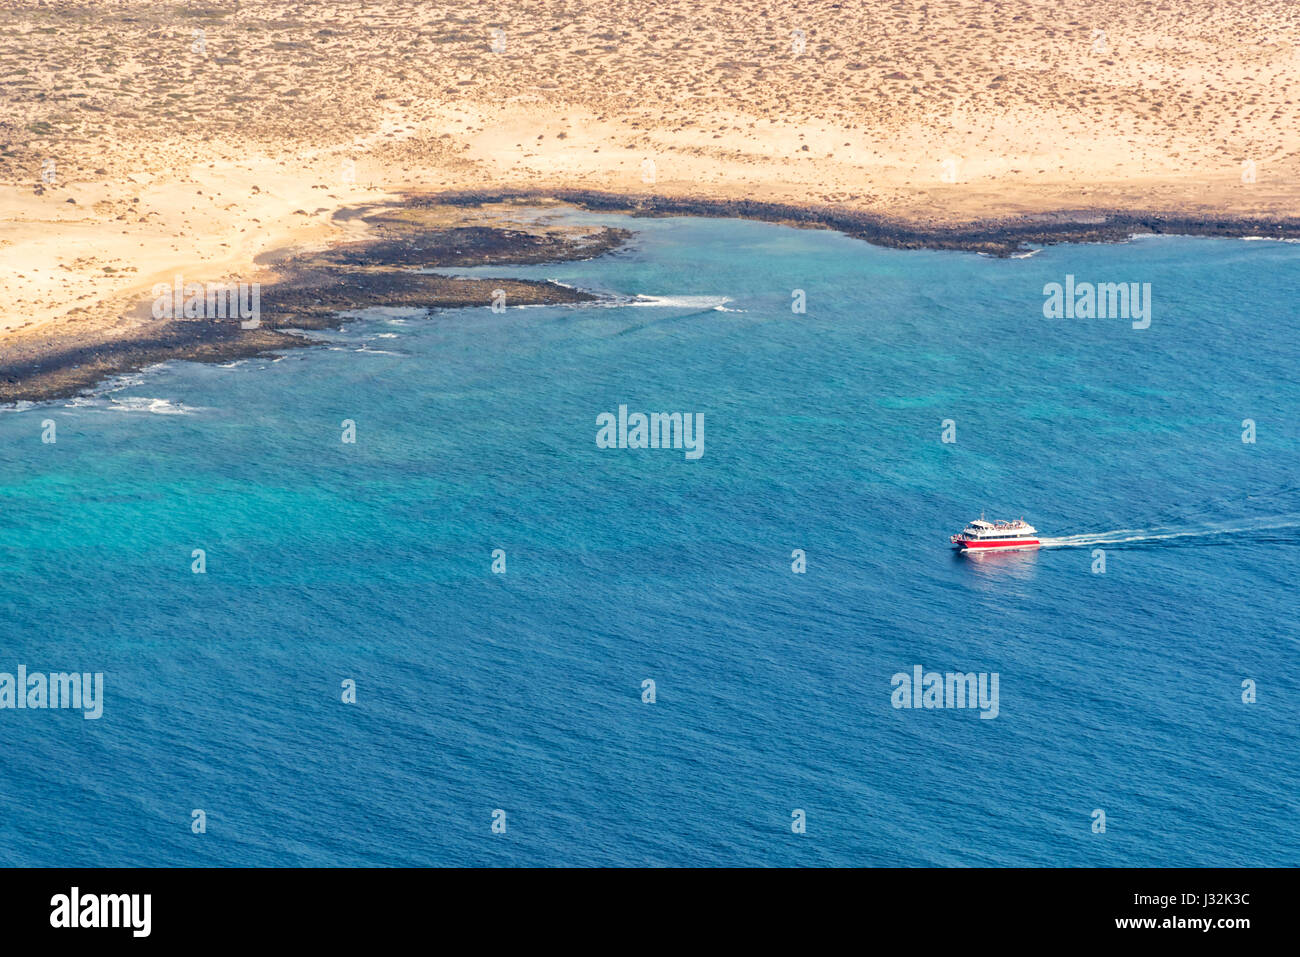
(968, 126)
(1001, 237)
(314, 289)
(660, 573)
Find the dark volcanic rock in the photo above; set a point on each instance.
(313, 291)
(996, 237)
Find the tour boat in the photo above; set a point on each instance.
(982, 536)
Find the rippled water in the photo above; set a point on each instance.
(522, 692)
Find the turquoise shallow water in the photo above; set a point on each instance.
(522, 692)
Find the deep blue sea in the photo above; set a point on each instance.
(521, 692)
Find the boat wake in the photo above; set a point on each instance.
(1255, 531)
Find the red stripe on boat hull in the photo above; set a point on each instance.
(995, 543)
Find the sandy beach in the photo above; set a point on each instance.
(141, 141)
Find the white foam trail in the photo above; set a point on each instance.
(154, 406)
(132, 404)
(680, 302)
(1124, 536)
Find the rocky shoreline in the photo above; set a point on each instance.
(428, 232)
(1002, 237)
(312, 291)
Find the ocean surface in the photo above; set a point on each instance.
(479, 693)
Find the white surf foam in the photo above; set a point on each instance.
(154, 406)
(132, 403)
(679, 302)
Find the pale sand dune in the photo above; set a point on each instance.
(194, 157)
